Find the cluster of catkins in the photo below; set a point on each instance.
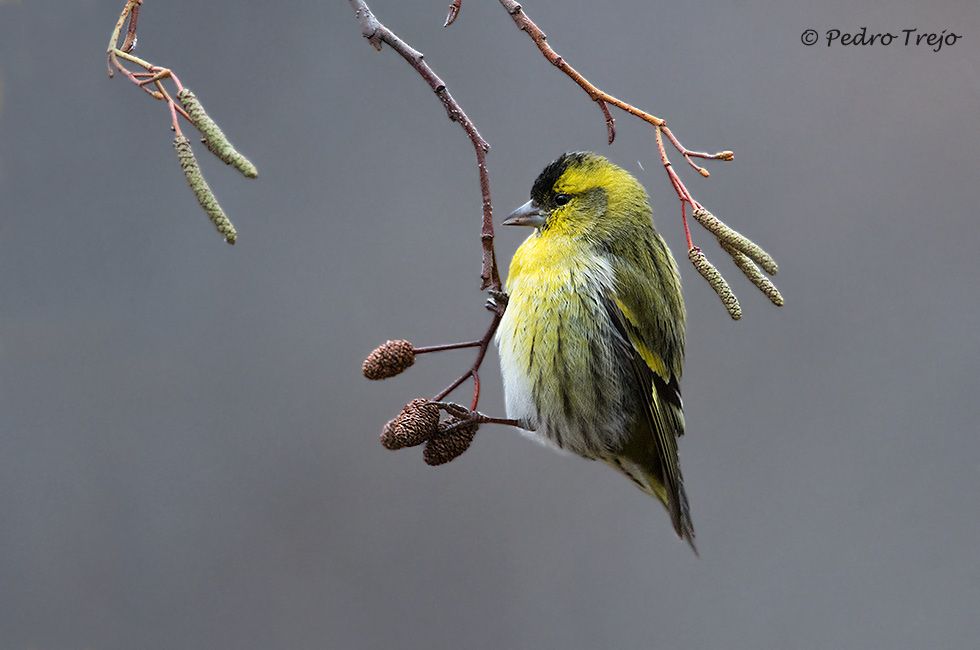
(216, 142)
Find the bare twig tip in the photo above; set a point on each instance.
(453, 12)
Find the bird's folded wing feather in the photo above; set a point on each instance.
(660, 394)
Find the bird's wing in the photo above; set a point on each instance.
(654, 444)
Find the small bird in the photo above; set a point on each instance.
(592, 339)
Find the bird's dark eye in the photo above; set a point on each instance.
(562, 199)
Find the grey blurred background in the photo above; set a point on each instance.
(189, 454)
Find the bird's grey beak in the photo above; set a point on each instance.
(528, 214)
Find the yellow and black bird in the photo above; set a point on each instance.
(592, 339)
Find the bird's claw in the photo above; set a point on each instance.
(497, 302)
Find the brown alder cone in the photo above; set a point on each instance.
(449, 444)
(418, 422)
(388, 360)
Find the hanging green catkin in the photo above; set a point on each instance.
(753, 273)
(711, 274)
(214, 138)
(736, 240)
(204, 195)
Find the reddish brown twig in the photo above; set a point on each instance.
(603, 99)
(376, 33)
(130, 41)
(453, 12)
(474, 370)
(154, 74)
(525, 24)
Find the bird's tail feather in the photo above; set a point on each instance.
(649, 482)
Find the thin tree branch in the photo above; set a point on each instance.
(453, 12)
(377, 33)
(603, 99)
(525, 24)
(130, 41)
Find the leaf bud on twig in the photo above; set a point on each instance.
(388, 360)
